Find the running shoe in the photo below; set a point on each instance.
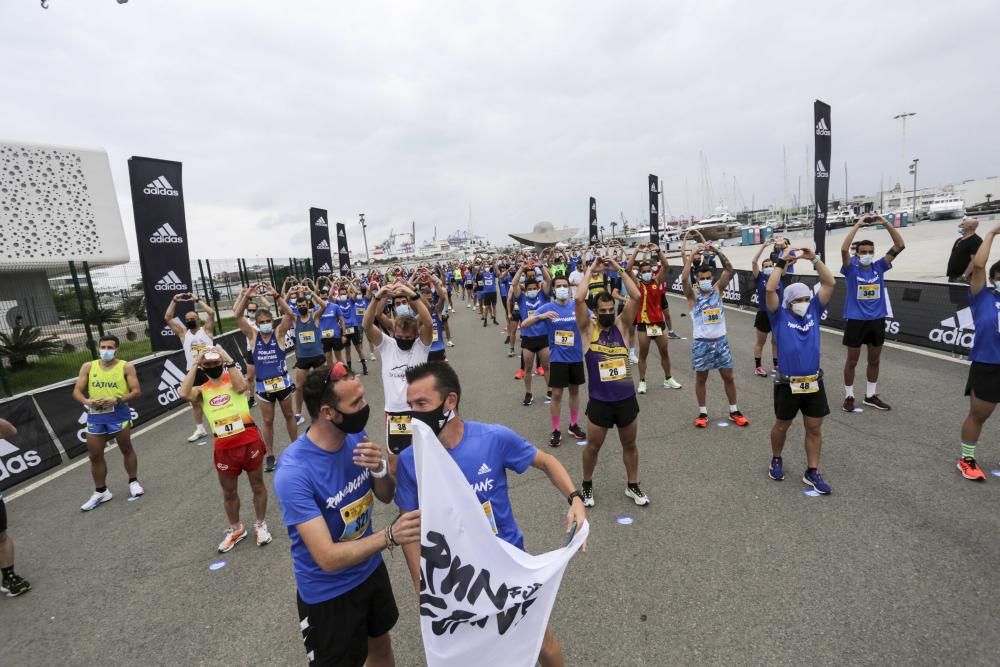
(199, 434)
(587, 491)
(671, 383)
(269, 463)
(233, 537)
(701, 421)
(510, 353)
(633, 357)
(262, 533)
(738, 418)
(635, 493)
(364, 367)
(484, 322)
(528, 400)
(877, 403)
(642, 386)
(98, 498)
(672, 335)
(135, 489)
(577, 432)
(548, 397)
(849, 404)
(251, 401)
(775, 472)
(451, 344)
(14, 585)
(555, 439)
(970, 470)
(540, 371)
(760, 372)
(815, 480)
(519, 374)
(299, 420)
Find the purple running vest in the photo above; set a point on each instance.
(608, 348)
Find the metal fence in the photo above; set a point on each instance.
(51, 316)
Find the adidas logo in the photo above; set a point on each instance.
(957, 330)
(170, 379)
(484, 469)
(345, 268)
(593, 207)
(732, 291)
(593, 239)
(324, 269)
(678, 285)
(167, 331)
(320, 222)
(821, 170)
(652, 209)
(821, 128)
(340, 233)
(652, 186)
(166, 234)
(161, 186)
(171, 282)
(323, 245)
(10, 464)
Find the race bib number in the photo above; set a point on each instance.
(400, 425)
(357, 516)
(227, 426)
(100, 409)
(653, 330)
(360, 312)
(531, 313)
(488, 511)
(488, 283)
(613, 369)
(274, 385)
(348, 331)
(869, 292)
(328, 333)
(712, 316)
(434, 336)
(804, 384)
(307, 336)
(198, 347)
(565, 338)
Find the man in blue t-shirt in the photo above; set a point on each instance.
(865, 307)
(795, 318)
(484, 453)
(761, 271)
(327, 482)
(529, 297)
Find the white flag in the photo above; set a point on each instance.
(479, 595)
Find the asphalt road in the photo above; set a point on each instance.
(900, 565)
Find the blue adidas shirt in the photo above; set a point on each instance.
(564, 336)
(986, 318)
(329, 321)
(762, 291)
(527, 307)
(797, 338)
(312, 482)
(865, 298)
(484, 455)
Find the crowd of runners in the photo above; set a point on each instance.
(574, 320)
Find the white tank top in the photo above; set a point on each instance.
(708, 316)
(194, 343)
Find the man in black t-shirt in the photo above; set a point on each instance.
(965, 248)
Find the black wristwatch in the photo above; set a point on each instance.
(415, 297)
(575, 494)
(780, 263)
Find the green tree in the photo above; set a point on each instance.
(24, 341)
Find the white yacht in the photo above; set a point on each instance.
(946, 206)
(720, 225)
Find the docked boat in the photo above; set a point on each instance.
(721, 225)
(841, 218)
(946, 206)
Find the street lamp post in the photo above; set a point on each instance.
(913, 170)
(364, 234)
(613, 225)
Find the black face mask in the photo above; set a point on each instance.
(436, 419)
(191, 324)
(605, 320)
(354, 422)
(405, 343)
(214, 372)
(303, 310)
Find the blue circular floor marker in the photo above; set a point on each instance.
(217, 565)
(722, 424)
(581, 443)
(133, 498)
(812, 493)
(995, 472)
(202, 443)
(624, 519)
(858, 411)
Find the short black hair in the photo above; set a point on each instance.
(445, 378)
(994, 269)
(864, 242)
(704, 268)
(109, 337)
(603, 297)
(318, 390)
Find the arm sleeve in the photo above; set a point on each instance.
(297, 502)
(406, 483)
(883, 265)
(518, 453)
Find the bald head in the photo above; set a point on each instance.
(969, 225)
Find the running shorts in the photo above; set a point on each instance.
(563, 374)
(642, 327)
(711, 354)
(398, 431)
(608, 414)
(436, 355)
(277, 396)
(787, 405)
(3, 516)
(489, 298)
(762, 322)
(534, 343)
(864, 332)
(307, 363)
(234, 460)
(984, 382)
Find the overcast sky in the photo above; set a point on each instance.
(521, 110)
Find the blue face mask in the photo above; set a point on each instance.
(531, 293)
(646, 277)
(107, 355)
(265, 327)
(402, 310)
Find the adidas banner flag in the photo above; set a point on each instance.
(343, 254)
(821, 121)
(319, 235)
(479, 596)
(594, 240)
(654, 212)
(161, 232)
(31, 451)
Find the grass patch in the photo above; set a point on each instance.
(66, 366)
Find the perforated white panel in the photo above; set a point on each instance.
(58, 204)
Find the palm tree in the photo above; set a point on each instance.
(24, 341)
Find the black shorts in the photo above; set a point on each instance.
(534, 343)
(308, 363)
(489, 298)
(610, 414)
(642, 327)
(787, 405)
(436, 355)
(563, 374)
(336, 344)
(468, 284)
(356, 337)
(277, 396)
(984, 382)
(3, 516)
(336, 632)
(395, 437)
(864, 332)
(515, 316)
(762, 322)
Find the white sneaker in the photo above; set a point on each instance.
(642, 386)
(97, 499)
(299, 420)
(636, 494)
(199, 434)
(371, 357)
(671, 383)
(135, 489)
(263, 534)
(451, 344)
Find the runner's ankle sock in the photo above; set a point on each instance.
(809, 470)
(587, 483)
(101, 489)
(756, 362)
(574, 417)
(259, 523)
(774, 360)
(871, 389)
(968, 450)
(702, 410)
(556, 419)
(848, 391)
(7, 571)
(733, 408)
(133, 479)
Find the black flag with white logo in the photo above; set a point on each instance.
(29, 452)
(821, 121)
(654, 211)
(319, 233)
(343, 254)
(593, 221)
(161, 232)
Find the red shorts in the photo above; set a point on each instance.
(234, 460)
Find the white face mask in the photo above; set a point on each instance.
(866, 260)
(531, 293)
(705, 285)
(961, 230)
(107, 355)
(562, 293)
(996, 285)
(800, 309)
(646, 277)
(767, 271)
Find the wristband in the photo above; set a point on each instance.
(382, 472)
(815, 261)
(780, 263)
(575, 494)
